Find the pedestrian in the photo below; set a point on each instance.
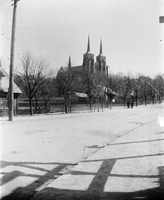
(128, 104)
(132, 103)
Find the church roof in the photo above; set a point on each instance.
(79, 67)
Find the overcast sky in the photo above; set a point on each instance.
(54, 29)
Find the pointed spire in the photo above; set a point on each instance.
(101, 47)
(88, 47)
(69, 62)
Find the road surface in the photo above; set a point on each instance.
(41, 151)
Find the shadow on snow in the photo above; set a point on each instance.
(95, 189)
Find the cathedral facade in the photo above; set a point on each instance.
(97, 66)
(91, 65)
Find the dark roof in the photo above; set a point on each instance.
(2, 72)
(79, 67)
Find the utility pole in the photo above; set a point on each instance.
(152, 86)
(11, 76)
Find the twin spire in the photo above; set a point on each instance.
(69, 62)
(88, 46)
(101, 47)
(88, 51)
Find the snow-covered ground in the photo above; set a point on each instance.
(36, 150)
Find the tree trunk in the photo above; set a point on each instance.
(66, 105)
(66, 108)
(145, 100)
(136, 99)
(160, 98)
(70, 106)
(31, 107)
(110, 103)
(90, 104)
(102, 103)
(45, 105)
(107, 102)
(124, 101)
(36, 103)
(98, 104)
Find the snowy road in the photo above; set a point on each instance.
(68, 138)
(35, 149)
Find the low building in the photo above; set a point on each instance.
(4, 89)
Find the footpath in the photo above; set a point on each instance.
(130, 167)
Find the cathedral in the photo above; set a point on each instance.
(89, 64)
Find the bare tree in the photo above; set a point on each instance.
(153, 92)
(67, 83)
(137, 86)
(126, 87)
(87, 85)
(32, 77)
(99, 94)
(145, 88)
(159, 80)
(111, 87)
(45, 95)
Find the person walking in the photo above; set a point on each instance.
(128, 104)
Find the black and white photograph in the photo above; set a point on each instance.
(82, 99)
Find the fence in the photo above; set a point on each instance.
(3, 107)
(21, 106)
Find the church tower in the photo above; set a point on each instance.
(88, 59)
(101, 62)
(69, 62)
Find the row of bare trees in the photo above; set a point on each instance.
(37, 81)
